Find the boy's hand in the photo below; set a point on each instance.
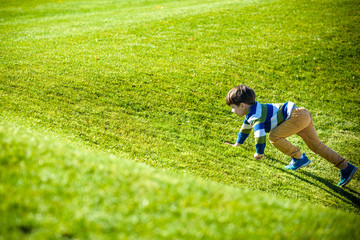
(233, 145)
(258, 156)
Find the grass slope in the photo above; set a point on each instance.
(147, 80)
(51, 190)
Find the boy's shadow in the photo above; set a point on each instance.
(352, 198)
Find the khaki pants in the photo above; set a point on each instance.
(302, 124)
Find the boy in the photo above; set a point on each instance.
(282, 121)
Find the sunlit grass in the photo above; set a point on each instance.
(51, 190)
(146, 80)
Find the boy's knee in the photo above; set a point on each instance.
(273, 137)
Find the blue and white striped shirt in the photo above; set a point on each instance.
(263, 118)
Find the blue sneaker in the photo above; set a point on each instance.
(347, 174)
(295, 164)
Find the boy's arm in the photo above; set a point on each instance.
(260, 138)
(244, 132)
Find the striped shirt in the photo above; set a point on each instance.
(263, 118)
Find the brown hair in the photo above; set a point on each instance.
(240, 94)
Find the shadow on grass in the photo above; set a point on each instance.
(352, 197)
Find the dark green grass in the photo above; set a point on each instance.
(147, 80)
(51, 190)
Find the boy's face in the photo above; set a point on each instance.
(240, 110)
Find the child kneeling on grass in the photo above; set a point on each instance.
(282, 121)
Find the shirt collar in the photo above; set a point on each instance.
(252, 109)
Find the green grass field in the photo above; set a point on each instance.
(113, 118)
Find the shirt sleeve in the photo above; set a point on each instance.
(244, 132)
(260, 137)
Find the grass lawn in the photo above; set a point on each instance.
(146, 81)
(52, 190)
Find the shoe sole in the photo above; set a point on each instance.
(304, 165)
(350, 177)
